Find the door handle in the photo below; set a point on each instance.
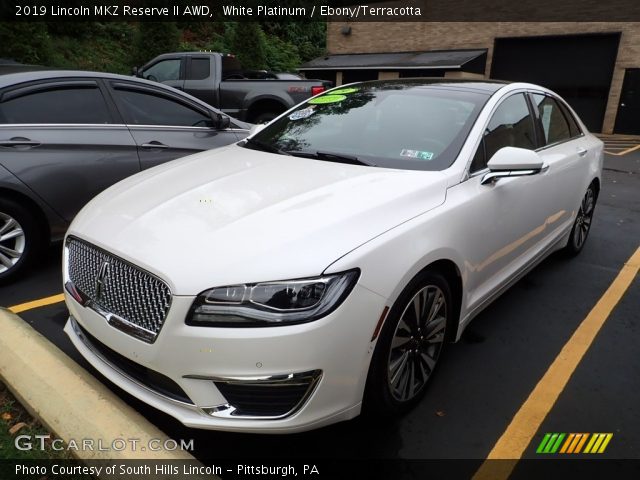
(19, 142)
(582, 151)
(153, 144)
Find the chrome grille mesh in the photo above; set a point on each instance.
(125, 291)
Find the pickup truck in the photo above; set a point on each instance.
(219, 80)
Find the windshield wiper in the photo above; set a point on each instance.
(265, 147)
(330, 157)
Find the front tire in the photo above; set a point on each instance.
(582, 223)
(410, 345)
(20, 239)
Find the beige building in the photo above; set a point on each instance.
(595, 66)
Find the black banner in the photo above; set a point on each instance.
(322, 10)
(547, 469)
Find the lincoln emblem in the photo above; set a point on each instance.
(101, 279)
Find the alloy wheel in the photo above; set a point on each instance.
(583, 219)
(12, 242)
(417, 342)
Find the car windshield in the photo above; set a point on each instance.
(393, 125)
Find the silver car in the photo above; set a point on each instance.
(67, 135)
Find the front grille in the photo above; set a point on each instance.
(149, 378)
(116, 287)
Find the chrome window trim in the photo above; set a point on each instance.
(134, 126)
(66, 125)
(114, 126)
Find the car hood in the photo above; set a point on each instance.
(235, 215)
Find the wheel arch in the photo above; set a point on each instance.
(265, 104)
(450, 271)
(32, 206)
(596, 182)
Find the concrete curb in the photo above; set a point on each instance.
(69, 401)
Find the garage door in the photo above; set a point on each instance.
(578, 67)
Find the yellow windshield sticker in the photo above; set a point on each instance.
(343, 91)
(327, 99)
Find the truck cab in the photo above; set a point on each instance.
(219, 80)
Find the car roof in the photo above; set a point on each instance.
(10, 77)
(466, 84)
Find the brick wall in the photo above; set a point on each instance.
(372, 37)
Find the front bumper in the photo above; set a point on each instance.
(323, 364)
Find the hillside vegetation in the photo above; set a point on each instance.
(117, 46)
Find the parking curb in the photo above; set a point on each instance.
(69, 401)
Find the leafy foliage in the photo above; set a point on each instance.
(249, 44)
(117, 46)
(155, 38)
(25, 42)
(281, 56)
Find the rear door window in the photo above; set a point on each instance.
(555, 126)
(55, 103)
(574, 128)
(164, 70)
(199, 68)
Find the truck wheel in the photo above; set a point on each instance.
(20, 239)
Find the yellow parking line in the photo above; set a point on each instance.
(629, 150)
(623, 152)
(23, 307)
(534, 410)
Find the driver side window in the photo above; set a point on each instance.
(510, 126)
(163, 71)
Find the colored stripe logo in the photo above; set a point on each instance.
(574, 443)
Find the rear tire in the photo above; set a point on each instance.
(582, 223)
(21, 240)
(411, 343)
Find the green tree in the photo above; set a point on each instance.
(249, 44)
(26, 42)
(155, 38)
(309, 37)
(281, 56)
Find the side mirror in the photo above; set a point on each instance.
(135, 72)
(220, 121)
(513, 162)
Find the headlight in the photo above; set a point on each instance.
(271, 303)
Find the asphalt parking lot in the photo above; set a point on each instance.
(486, 378)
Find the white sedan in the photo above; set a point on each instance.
(318, 269)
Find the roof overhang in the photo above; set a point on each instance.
(434, 60)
